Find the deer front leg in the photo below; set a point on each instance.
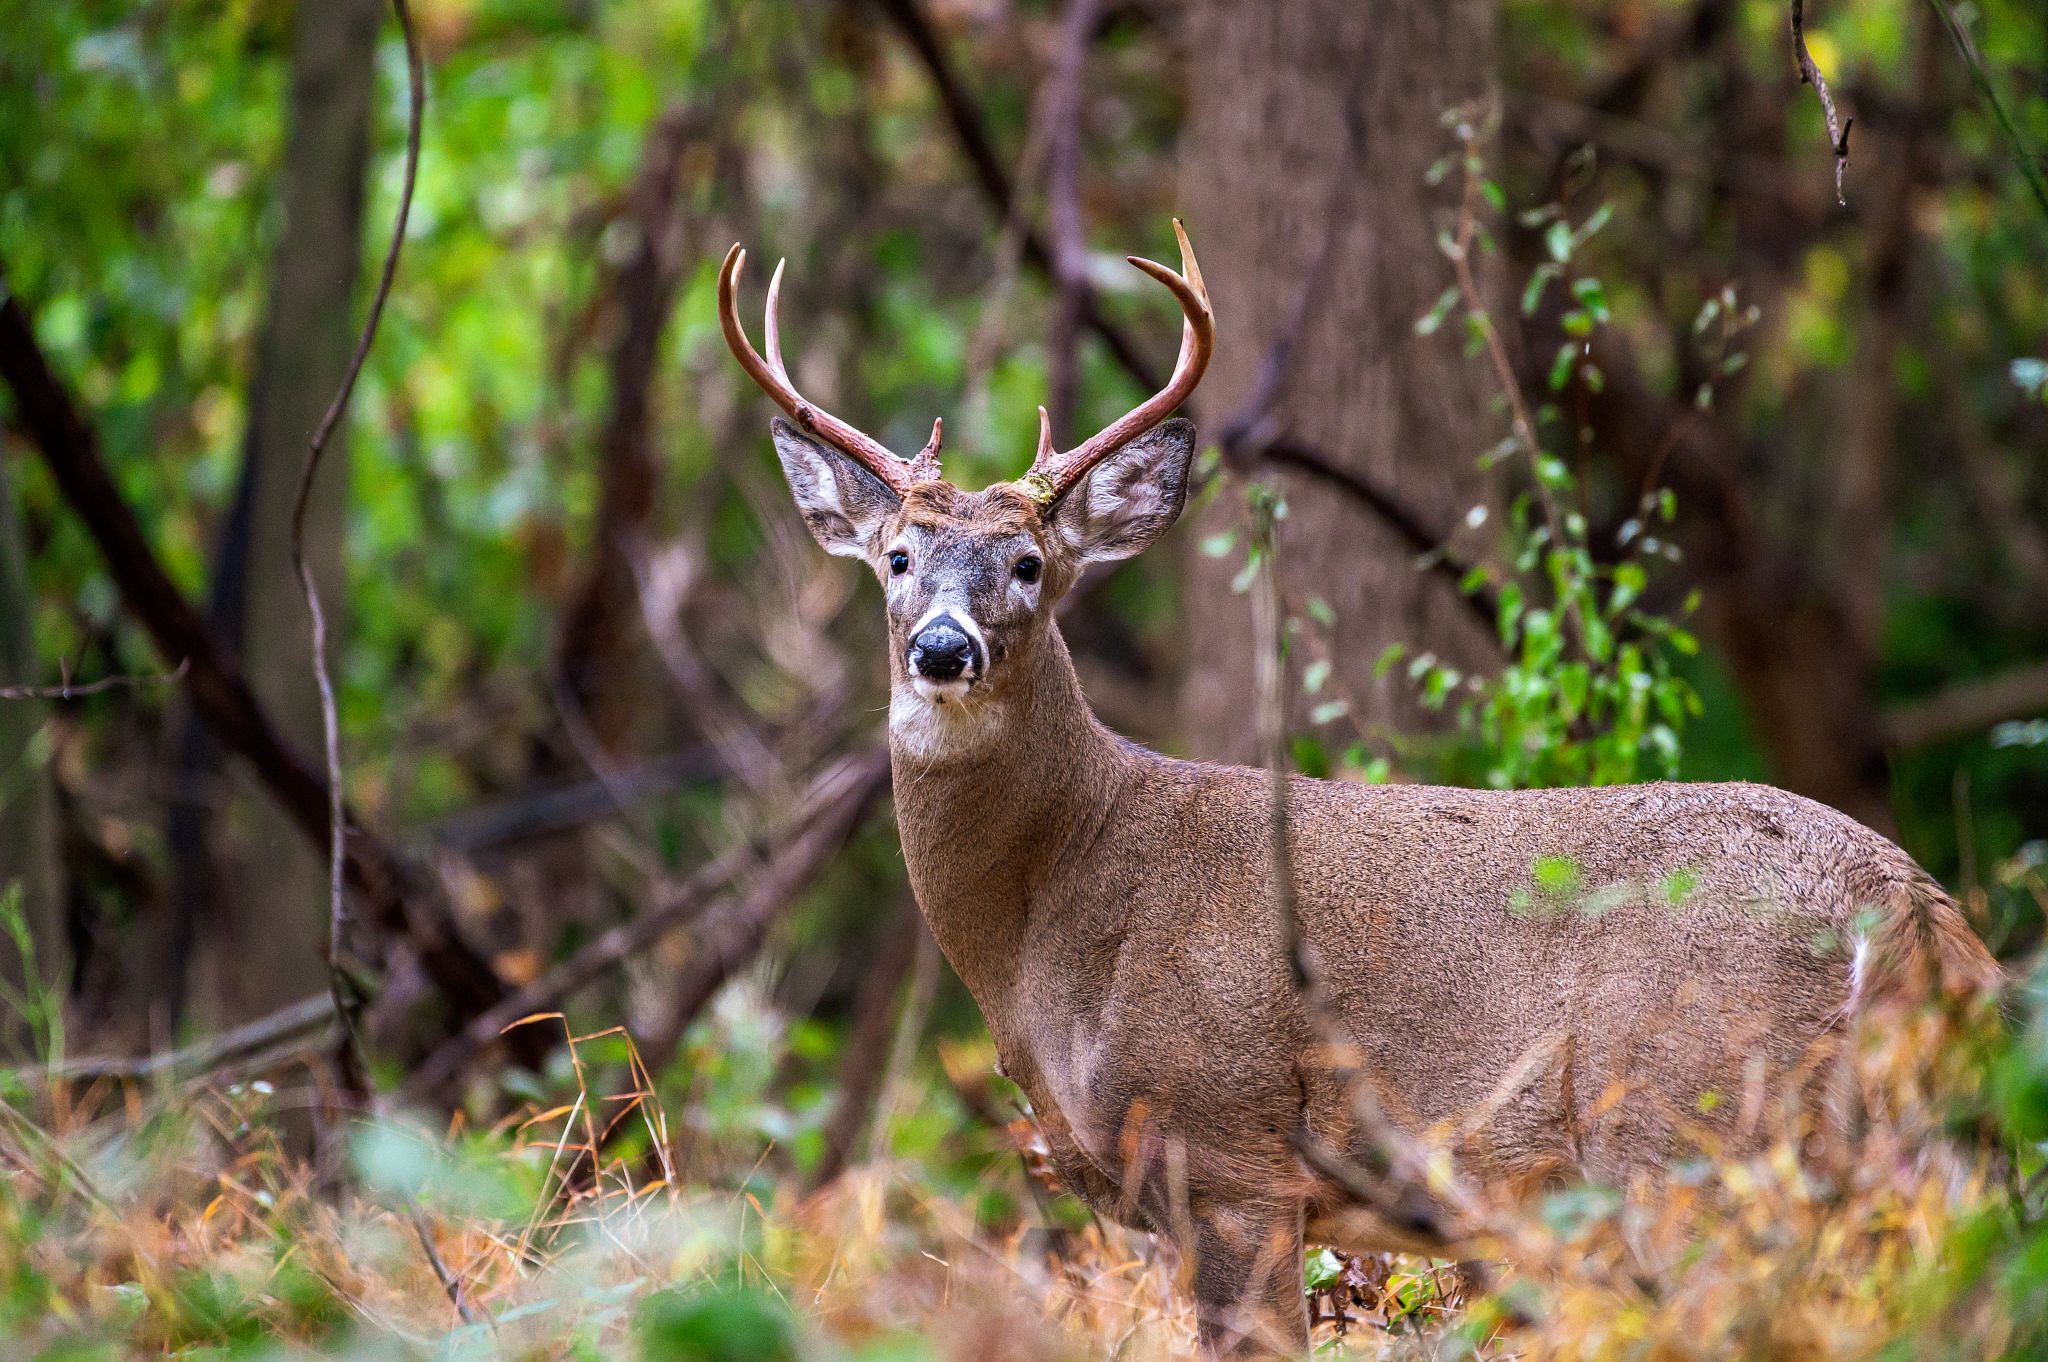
(1248, 1290)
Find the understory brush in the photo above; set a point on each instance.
(176, 1223)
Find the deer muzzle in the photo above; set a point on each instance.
(945, 650)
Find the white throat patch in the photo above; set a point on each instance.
(930, 728)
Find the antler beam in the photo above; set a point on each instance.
(772, 376)
(1053, 474)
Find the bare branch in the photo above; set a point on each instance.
(1838, 131)
(346, 1002)
(1394, 1183)
(834, 798)
(73, 691)
(300, 1028)
(725, 941)
(1969, 707)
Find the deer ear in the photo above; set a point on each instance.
(1129, 499)
(843, 504)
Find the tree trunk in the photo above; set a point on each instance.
(265, 943)
(1265, 154)
(28, 856)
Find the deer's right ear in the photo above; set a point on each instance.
(844, 505)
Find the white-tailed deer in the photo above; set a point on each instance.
(1111, 909)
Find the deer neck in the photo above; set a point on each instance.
(993, 801)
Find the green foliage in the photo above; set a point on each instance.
(36, 1002)
(1591, 692)
(716, 1323)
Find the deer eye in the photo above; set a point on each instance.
(899, 562)
(1028, 568)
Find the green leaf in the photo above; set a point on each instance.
(1315, 675)
(1557, 239)
(1428, 323)
(1679, 886)
(1555, 875)
(1329, 710)
(1561, 367)
(1592, 296)
(1219, 545)
(1321, 1270)
(1319, 610)
(1539, 280)
(730, 1324)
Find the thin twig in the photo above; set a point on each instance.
(450, 1283)
(72, 691)
(345, 1003)
(1395, 1181)
(1519, 419)
(1838, 130)
(2025, 159)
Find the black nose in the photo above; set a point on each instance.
(942, 650)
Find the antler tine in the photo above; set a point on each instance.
(771, 325)
(925, 467)
(1053, 474)
(772, 377)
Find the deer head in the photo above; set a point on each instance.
(971, 578)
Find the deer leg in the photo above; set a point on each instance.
(1248, 1292)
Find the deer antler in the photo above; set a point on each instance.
(773, 377)
(1053, 474)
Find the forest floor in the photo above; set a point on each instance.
(174, 1223)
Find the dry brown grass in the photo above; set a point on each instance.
(207, 1238)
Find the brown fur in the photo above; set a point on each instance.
(1111, 910)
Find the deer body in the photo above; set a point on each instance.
(1560, 983)
(1111, 910)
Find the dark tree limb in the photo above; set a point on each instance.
(1255, 434)
(970, 130)
(835, 801)
(400, 898)
(598, 628)
(725, 940)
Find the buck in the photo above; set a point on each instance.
(1112, 909)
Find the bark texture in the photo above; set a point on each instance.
(264, 946)
(1265, 152)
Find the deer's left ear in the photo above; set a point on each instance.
(1129, 499)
